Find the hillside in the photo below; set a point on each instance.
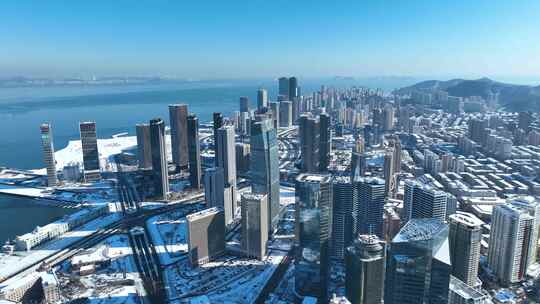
(512, 97)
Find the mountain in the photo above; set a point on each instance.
(512, 97)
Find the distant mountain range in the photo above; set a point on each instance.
(511, 97)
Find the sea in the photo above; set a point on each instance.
(115, 109)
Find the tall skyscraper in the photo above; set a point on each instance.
(343, 216)
(226, 158)
(194, 150)
(293, 88)
(309, 143)
(218, 123)
(48, 153)
(312, 234)
(365, 269)
(90, 151)
(264, 166)
(214, 183)
(465, 237)
(358, 165)
(262, 99)
(388, 118)
(159, 158)
(179, 143)
(274, 109)
(388, 165)
(369, 206)
(423, 201)
(285, 115)
(144, 148)
(255, 228)
(325, 141)
(244, 104)
(512, 242)
(396, 157)
(283, 88)
(205, 235)
(418, 264)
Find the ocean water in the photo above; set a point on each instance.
(115, 109)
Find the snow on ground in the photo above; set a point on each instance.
(72, 154)
(169, 233)
(99, 287)
(11, 264)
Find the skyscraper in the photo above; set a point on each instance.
(388, 165)
(159, 158)
(369, 206)
(274, 108)
(325, 141)
(179, 142)
(218, 123)
(244, 104)
(194, 151)
(512, 242)
(396, 157)
(309, 143)
(312, 234)
(418, 264)
(48, 153)
(205, 235)
(264, 166)
(465, 237)
(388, 118)
(213, 187)
(90, 151)
(423, 201)
(358, 165)
(285, 115)
(365, 269)
(283, 88)
(144, 148)
(293, 88)
(255, 228)
(226, 159)
(343, 216)
(262, 99)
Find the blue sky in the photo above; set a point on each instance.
(243, 39)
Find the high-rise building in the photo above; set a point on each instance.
(389, 184)
(423, 201)
(243, 153)
(364, 270)
(369, 205)
(194, 150)
(418, 264)
(283, 86)
(264, 166)
(262, 99)
(226, 158)
(214, 184)
(293, 88)
(274, 109)
(90, 151)
(358, 165)
(179, 143)
(461, 293)
(313, 215)
(309, 143)
(388, 118)
(465, 237)
(325, 142)
(244, 104)
(144, 148)
(255, 228)
(217, 123)
(48, 153)
(396, 157)
(512, 242)
(343, 217)
(477, 129)
(205, 235)
(160, 171)
(285, 115)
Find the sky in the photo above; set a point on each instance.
(264, 38)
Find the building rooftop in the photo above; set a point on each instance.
(202, 213)
(421, 229)
(314, 178)
(467, 219)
